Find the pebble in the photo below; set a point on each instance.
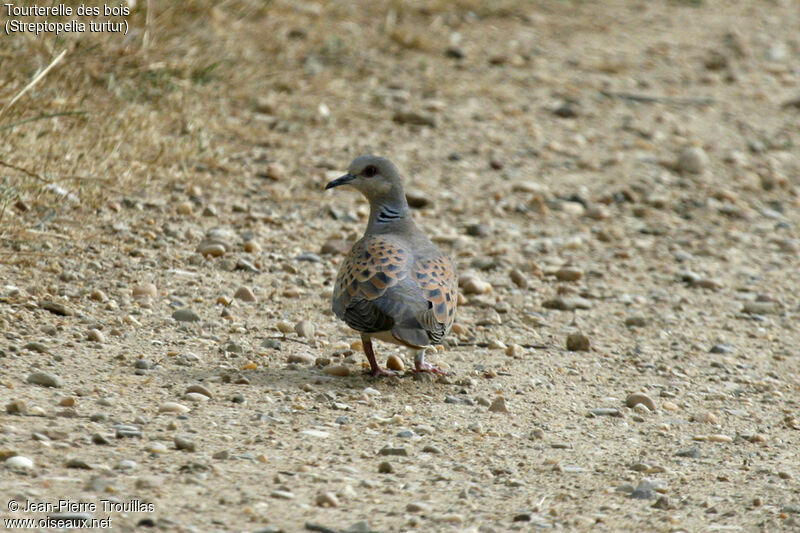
(316, 433)
(19, 461)
(78, 463)
(430, 448)
(212, 249)
(478, 230)
(301, 358)
(418, 507)
(195, 397)
(143, 364)
(639, 398)
(670, 406)
(417, 199)
(569, 303)
(327, 499)
(692, 160)
(692, 453)
(496, 344)
(98, 296)
(274, 171)
(244, 294)
(281, 495)
(389, 450)
(336, 247)
(635, 321)
(598, 212)
(453, 518)
(459, 400)
(459, 329)
(720, 438)
(69, 401)
(605, 411)
(393, 362)
(173, 407)
(514, 350)
(473, 285)
(124, 430)
(45, 379)
(99, 438)
(721, 348)
(273, 344)
(566, 109)
(498, 405)
(183, 442)
(518, 278)
(95, 335)
(455, 52)
(305, 328)
(705, 418)
(56, 308)
(644, 491)
(252, 247)
(761, 308)
(16, 407)
(385, 467)
(415, 118)
(578, 342)
(186, 314)
(36, 347)
(337, 370)
(569, 274)
(199, 389)
(144, 290)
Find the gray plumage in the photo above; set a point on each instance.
(395, 284)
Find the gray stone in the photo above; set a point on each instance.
(45, 379)
(186, 314)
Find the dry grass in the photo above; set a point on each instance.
(174, 101)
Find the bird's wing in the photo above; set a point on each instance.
(375, 266)
(436, 276)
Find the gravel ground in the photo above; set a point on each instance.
(619, 189)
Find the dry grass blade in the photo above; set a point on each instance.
(36, 79)
(24, 171)
(42, 117)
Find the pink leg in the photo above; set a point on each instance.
(376, 370)
(421, 366)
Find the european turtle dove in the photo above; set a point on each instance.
(394, 285)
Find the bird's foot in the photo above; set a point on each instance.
(378, 371)
(427, 367)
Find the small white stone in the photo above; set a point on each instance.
(195, 397)
(19, 461)
(315, 433)
(305, 328)
(173, 407)
(692, 160)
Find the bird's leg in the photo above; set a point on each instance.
(376, 370)
(421, 366)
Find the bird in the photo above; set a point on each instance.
(394, 285)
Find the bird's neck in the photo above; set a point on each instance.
(387, 216)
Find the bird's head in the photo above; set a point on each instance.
(375, 177)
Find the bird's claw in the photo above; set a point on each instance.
(427, 367)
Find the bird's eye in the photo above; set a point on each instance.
(370, 171)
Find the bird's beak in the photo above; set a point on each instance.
(347, 178)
